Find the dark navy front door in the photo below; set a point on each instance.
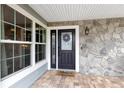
(66, 49)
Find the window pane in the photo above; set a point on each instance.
(27, 49)
(27, 60)
(7, 14)
(6, 67)
(28, 35)
(36, 53)
(23, 61)
(37, 33)
(7, 51)
(23, 35)
(41, 36)
(41, 52)
(20, 34)
(37, 57)
(44, 36)
(17, 50)
(28, 24)
(1, 33)
(22, 49)
(37, 36)
(40, 56)
(20, 19)
(7, 31)
(17, 64)
(36, 48)
(0, 12)
(40, 48)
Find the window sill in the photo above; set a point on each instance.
(14, 41)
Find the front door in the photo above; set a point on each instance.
(66, 49)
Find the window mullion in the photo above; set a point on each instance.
(33, 45)
(14, 25)
(13, 57)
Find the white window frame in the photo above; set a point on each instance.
(39, 43)
(7, 82)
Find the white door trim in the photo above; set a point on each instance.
(76, 27)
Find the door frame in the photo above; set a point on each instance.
(76, 27)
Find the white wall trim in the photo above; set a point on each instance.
(76, 27)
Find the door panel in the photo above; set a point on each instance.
(66, 49)
(53, 48)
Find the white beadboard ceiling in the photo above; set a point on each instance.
(70, 12)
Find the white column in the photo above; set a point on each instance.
(56, 49)
(77, 48)
(33, 46)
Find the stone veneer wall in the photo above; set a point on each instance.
(102, 51)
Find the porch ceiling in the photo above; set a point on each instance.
(70, 12)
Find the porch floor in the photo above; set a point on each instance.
(57, 79)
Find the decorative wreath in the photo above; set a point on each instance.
(66, 37)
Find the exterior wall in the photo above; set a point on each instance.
(102, 51)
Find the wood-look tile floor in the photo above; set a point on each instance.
(56, 79)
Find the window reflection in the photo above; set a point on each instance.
(27, 60)
(6, 67)
(28, 35)
(15, 26)
(40, 34)
(20, 34)
(7, 14)
(27, 49)
(28, 24)
(17, 64)
(7, 31)
(14, 61)
(17, 50)
(7, 51)
(20, 19)
(40, 52)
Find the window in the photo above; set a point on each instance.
(28, 24)
(20, 34)
(7, 14)
(16, 37)
(40, 47)
(14, 61)
(14, 26)
(7, 21)
(20, 19)
(28, 35)
(40, 53)
(7, 31)
(40, 34)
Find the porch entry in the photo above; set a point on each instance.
(63, 49)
